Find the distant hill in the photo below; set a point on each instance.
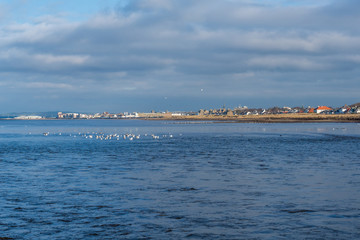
(355, 105)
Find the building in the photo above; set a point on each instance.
(321, 109)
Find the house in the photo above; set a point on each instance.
(321, 109)
(355, 110)
(310, 110)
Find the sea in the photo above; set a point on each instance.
(137, 179)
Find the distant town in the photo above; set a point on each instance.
(223, 111)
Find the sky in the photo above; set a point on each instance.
(177, 55)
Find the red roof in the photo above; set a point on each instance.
(323, 108)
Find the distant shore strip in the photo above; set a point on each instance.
(269, 118)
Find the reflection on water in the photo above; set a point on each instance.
(208, 181)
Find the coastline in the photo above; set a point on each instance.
(271, 118)
(268, 118)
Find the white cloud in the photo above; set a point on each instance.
(156, 4)
(154, 46)
(48, 85)
(69, 59)
(287, 63)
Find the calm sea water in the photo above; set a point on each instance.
(198, 180)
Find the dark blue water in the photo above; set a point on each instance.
(198, 180)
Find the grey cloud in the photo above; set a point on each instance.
(155, 45)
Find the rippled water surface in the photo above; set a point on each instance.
(198, 180)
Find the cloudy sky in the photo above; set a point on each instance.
(139, 55)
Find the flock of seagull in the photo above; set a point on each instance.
(103, 136)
